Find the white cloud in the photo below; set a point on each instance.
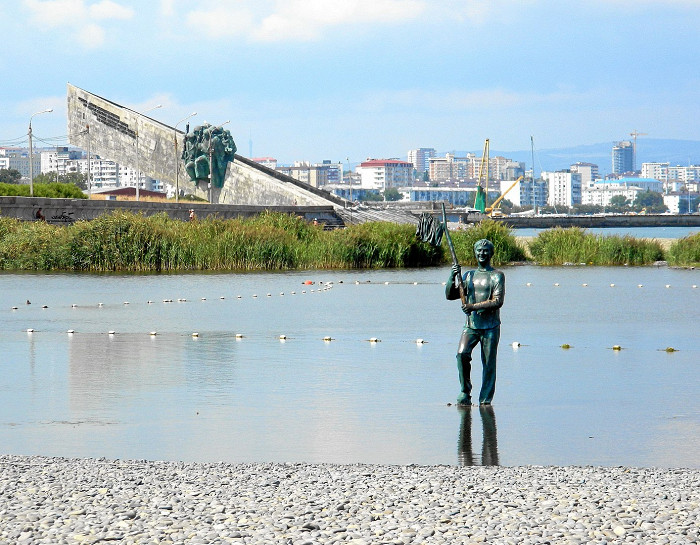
(39, 104)
(110, 10)
(299, 20)
(56, 13)
(78, 16)
(308, 19)
(221, 21)
(167, 7)
(91, 36)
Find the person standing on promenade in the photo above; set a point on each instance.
(485, 289)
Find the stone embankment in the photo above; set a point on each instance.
(54, 500)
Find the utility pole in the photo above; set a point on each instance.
(31, 151)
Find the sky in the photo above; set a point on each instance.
(308, 80)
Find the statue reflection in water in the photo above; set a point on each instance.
(489, 446)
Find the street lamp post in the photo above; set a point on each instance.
(347, 161)
(31, 151)
(177, 160)
(138, 172)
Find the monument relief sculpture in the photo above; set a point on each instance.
(204, 145)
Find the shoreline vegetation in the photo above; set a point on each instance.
(127, 242)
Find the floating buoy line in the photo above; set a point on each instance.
(283, 338)
(322, 287)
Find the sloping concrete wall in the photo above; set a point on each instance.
(114, 132)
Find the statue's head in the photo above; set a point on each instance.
(486, 244)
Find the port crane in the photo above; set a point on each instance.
(494, 210)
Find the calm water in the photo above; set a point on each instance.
(637, 232)
(258, 398)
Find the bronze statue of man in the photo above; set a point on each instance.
(485, 289)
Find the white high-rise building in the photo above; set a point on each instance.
(687, 174)
(564, 188)
(522, 194)
(588, 172)
(420, 157)
(382, 174)
(658, 171)
(57, 160)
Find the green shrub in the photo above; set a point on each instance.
(507, 249)
(685, 251)
(52, 190)
(558, 246)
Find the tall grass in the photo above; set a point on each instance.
(123, 241)
(33, 246)
(507, 249)
(685, 252)
(574, 245)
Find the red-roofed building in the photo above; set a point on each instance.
(269, 162)
(381, 174)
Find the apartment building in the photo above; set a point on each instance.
(316, 175)
(381, 174)
(658, 171)
(689, 174)
(448, 168)
(563, 188)
(588, 172)
(523, 193)
(59, 159)
(601, 191)
(269, 162)
(18, 159)
(623, 157)
(420, 159)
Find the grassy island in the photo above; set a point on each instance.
(123, 241)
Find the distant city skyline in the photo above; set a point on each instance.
(322, 79)
(674, 152)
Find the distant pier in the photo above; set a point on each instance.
(612, 220)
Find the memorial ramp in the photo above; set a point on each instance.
(125, 136)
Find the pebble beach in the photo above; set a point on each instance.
(68, 501)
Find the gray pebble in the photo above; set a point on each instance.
(56, 500)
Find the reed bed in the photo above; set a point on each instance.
(123, 241)
(685, 252)
(507, 249)
(560, 246)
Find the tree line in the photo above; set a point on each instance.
(14, 176)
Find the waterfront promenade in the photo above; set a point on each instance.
(57, 501)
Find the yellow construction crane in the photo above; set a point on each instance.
(494, 209)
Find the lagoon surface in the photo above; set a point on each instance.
(636, 232)
(216, 396)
